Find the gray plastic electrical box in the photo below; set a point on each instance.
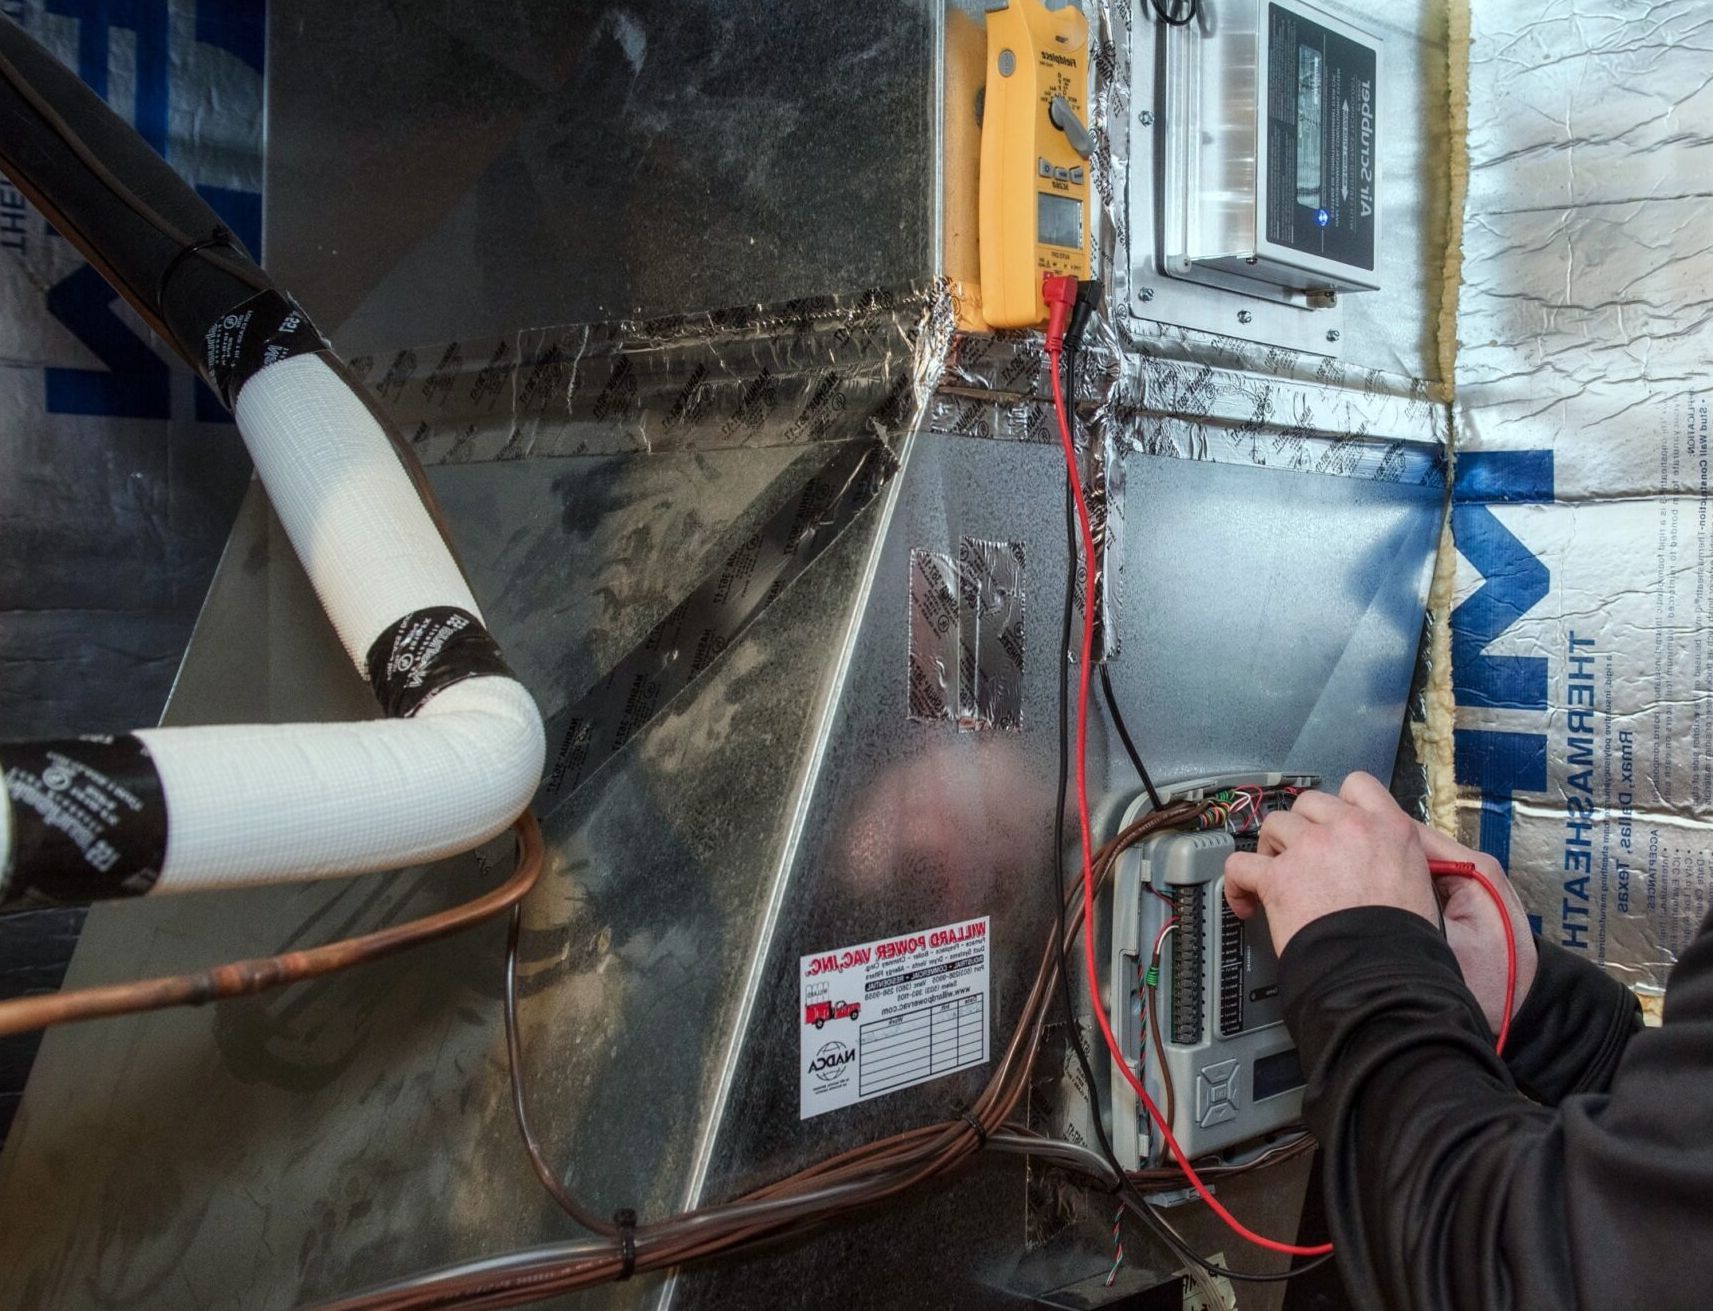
(1233, 1066)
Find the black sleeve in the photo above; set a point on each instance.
(1572, 1027)
(1449, 1188)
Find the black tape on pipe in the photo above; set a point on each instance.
(427, 652)
(89, 820)
(267, 328)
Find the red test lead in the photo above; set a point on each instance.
(1060, 314)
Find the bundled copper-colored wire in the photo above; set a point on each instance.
(856, 1178)
(241, 978)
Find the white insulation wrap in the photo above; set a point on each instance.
(368, 545)
(266, 803)
(216, 806)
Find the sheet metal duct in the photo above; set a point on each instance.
(443, 179)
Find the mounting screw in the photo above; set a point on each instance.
(1244, 316)
(1147, 294)
(1146, 118)
(1333, 334)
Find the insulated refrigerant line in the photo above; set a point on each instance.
(460, 753)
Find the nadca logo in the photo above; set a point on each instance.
(830, 1061)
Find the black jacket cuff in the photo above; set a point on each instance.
(1572, 1028)
(1338, 962)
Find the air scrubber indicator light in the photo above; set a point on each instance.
(1322, 218)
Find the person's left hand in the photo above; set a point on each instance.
(1474, 932)
(1330, 853)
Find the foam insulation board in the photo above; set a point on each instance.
(119, 474)
(1581, 625)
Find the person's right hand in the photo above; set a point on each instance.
(1473, 930)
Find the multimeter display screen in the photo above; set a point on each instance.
(1060, 221)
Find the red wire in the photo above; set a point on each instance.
(1464, 870)
(1102, 1019)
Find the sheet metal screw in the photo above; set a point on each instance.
(1244, 316)
(1333, 334)
(1147, 294)
(1146, 118)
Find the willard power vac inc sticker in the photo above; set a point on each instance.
(891, 1014)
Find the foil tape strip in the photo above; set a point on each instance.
(966, 635)
(934, 638)
(1110, 43)
(821, 369)
(998, 388)
(990, 630)
(675, 653)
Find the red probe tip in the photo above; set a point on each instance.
(1059, 290)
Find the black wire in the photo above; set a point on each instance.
(1177, 13)
(73, 142)
(1124, 737)
(1132, 1197)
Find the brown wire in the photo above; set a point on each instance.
(550, 1179)
(1160, 1052)
(890, 1165)
(242, 978)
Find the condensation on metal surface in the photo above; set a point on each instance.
(1582, 658)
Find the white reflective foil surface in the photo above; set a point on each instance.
(1582, 662)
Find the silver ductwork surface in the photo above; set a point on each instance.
(660, 298)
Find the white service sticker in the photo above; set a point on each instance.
(891, 1014)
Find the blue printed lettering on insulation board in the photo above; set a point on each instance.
(135, 382)
(1513, 579)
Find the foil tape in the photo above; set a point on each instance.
(1336, 421)
(848, 372)
(808, 371)
(966, 635)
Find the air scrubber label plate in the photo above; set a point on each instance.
(891, 1014)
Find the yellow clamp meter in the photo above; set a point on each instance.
(1035, 148)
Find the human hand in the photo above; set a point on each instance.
(1331, 853)
(1473, 931)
